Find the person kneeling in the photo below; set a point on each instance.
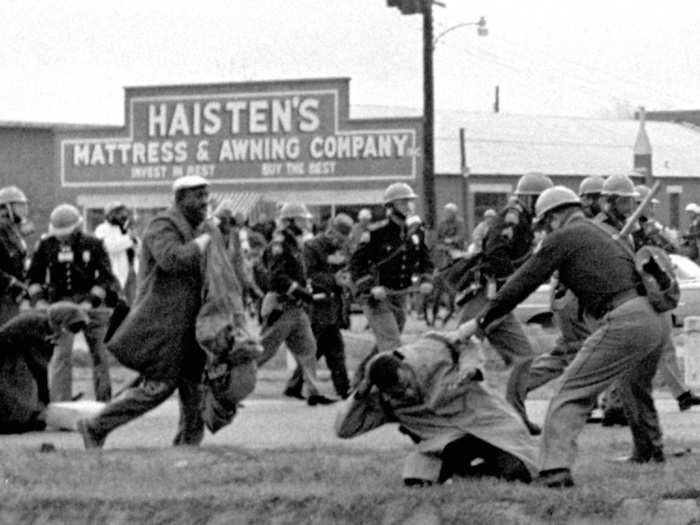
(435, 390)
(27, 343)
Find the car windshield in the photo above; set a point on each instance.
(686, 270)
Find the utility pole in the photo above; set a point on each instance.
(428, 117)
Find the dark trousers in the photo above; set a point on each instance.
(148, 394)
(471, 456)
(329, 344)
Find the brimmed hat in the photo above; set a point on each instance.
(188, 182)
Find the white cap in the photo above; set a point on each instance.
(189, 181)
(692, 207)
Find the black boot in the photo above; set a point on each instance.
(614, 416)
(687, 400)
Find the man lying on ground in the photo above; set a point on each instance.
(436, 392)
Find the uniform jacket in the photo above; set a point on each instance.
(452, 406)
(284, 261)
(323, 260)
(157, 338)
(387, 237)
(591, 264)
(13, 253)
(68, 271)
(508, 241)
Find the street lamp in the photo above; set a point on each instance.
(480, 24)
(425, 7)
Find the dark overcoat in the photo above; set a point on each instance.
(157, 338)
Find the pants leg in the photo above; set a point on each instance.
(382, 319)
(669, 369)
(61, 368)
(508, 338)
(635, 391)
(190, 429)
(457, 458)
(274, 335)
(628, 335)
(130, 404)
(330, 344)
(302, 344)
(94, 336)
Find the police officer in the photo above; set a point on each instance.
(284, 316)
(69, 265)
(574, 327)
(13, 250)
(590, 191)
(651, 232)
(326, 265)
(619, 202)
(626, 346)
(508, 244)
(385, 262)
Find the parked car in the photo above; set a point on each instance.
(536, 308)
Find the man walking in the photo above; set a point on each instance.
(158, 336)
(284, 316)
(326, 263)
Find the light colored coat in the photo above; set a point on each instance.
(453, 405)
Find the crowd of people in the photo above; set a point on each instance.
(140, 298)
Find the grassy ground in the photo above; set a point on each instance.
(334, 484)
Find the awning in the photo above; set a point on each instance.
(250, 204)
(328, 197)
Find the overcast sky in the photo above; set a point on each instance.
(68, 61)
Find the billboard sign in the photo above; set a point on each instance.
(268, 132)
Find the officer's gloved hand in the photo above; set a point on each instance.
(378, 293)
(85, 305)
(425, 288)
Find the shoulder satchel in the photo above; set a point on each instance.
(655, 269)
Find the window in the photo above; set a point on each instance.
(674, 210)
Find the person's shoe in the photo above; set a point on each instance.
(687, 400)
(614, 416)
(656, 456)
(596, 416)
(558, 478)
(90, 438)
(319, 399)
(292, 392)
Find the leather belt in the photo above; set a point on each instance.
(621, 298)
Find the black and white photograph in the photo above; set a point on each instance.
(387, 262)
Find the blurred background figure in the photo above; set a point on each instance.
(265, 227)
(13, 250)
(480, 231)
(364, 219)
(121, 245)
(692, 236)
